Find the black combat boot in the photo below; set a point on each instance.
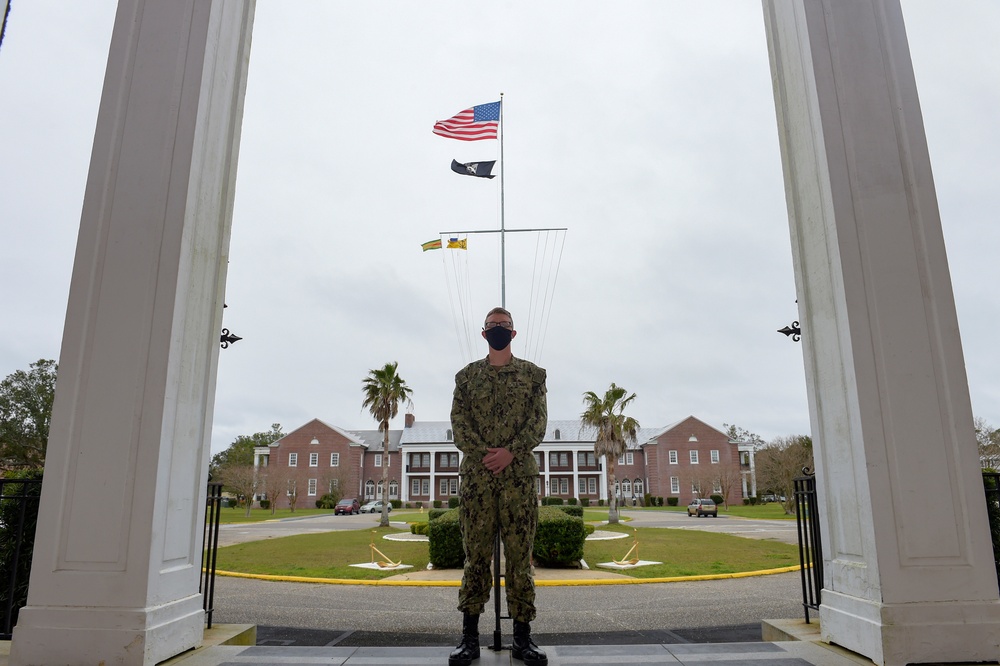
(524, 648)
(468, 649)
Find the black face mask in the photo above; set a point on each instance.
(498, 337)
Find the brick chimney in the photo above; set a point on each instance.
(410, 418)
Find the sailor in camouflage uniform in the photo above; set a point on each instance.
(498, 416)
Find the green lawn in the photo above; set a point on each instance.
(329, 555)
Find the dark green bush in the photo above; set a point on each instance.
(436, 513)
(552, 501)
(445, 547)
(585, 501)
(572, 510)
(437, 504)
(396, 504)
(600, 502)
(559, 539)
(419, 528)
(571, 501)
(718, 499)
(671, 501)
(648, 500)
(327, 501)
(453, 502)
(266, 504)
(10, 517)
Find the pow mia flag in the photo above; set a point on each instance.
(478, 169)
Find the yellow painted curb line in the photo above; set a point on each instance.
(538, 583)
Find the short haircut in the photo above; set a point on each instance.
(499, 310)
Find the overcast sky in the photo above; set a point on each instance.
(646, 128)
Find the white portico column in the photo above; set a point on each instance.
(117, 552)
(908, 565)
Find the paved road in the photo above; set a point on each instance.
(779, 530)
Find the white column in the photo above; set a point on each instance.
(908, 564)
(117, 556)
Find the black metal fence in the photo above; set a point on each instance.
(991, 484)
(18, 515)
(213, 507)
(810, 548)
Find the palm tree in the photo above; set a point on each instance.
(384, 390)
(615, 432)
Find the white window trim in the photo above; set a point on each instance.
(314, 459)
(693, 456)
(675, 485)
(334, 460)
(672, 458)
(715, 456)
(312, 488)
(293, 460)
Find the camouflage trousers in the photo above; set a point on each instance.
(518, 515)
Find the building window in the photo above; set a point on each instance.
(394, 489)
(425, 487)
(592, 486)
(378, 490)
(538, 460)
(293, 459)
(453, 486)
(415, 486)
(312, 487)
(538, 485)
(443, 487)
(586, 459)
(557, 434)
(629, 460)
(618, 490)
(314, 460)
(673, 457)
(675, 485)
(715, 456)
(582, 486)
(694, 457)
(564, 486)
(621, 459)
(334, 460)
(626, 488)
(637, 487)
(716, 487)
(449, 435)
(378, 459)
(291, 491)
(369, 489)
(334, 484)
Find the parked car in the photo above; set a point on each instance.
(703, 507)
(347, 506)
(374, 507)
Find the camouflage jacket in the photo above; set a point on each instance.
(499, 407)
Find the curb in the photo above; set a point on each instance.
(538, 583)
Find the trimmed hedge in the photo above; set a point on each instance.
(436, 513)
(558, 541)
(572, 510)
(560, 536)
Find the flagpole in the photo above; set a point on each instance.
(503, 246)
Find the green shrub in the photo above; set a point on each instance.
(659, 501)
(453, 502)
(648, 500)
(588, 529)
(718, 499)
(600, 502)
(671, 501)
(396, 504)
(585, 501)
(266, 504)
(552, 501)
(445, 546)
(572, 510)
(559, 538)
(571, 501)
(436, 513)
(327, 501)
(419, 505)
(437, 504)
(746, 501)
(419, 528)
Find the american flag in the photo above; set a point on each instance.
(479, 122)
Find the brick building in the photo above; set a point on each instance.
(685, 460)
